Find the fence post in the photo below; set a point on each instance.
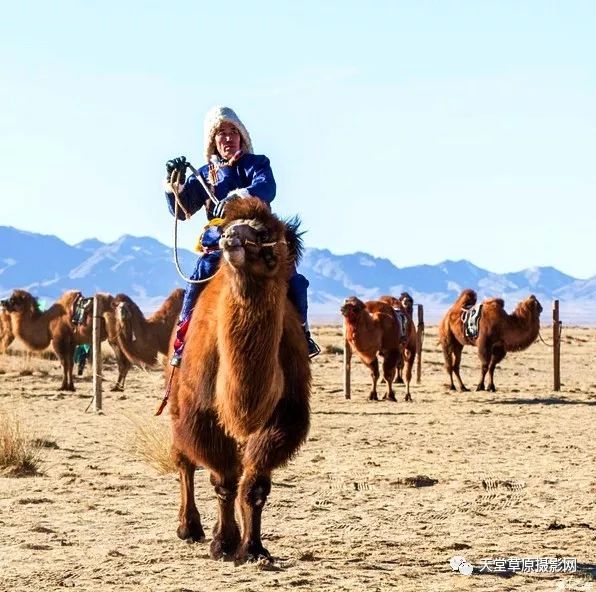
(556, 346)
(97, 392)
(347, 366)
(419, 341)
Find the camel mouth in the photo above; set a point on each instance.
(235, 255)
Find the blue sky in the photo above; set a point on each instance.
(418, 131)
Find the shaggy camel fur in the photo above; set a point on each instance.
(371, 329)
(404, 304)
(498, 333)
(6, 334)
(142, 339)
(38, 329)
(240, 399)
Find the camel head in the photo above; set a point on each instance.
(406, 301)
(352, 308)
(256, 243)
(120, 304)
(20, 301)
(532, 304)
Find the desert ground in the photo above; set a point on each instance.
(515, 478)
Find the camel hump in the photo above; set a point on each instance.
(467, 298)
(498, 302)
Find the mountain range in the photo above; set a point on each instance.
(143, 268)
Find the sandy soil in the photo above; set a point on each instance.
(515, 470)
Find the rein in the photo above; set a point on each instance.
(178, 205)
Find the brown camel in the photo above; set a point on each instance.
(498, 333)
(371, 329)
(141, 339)
(407, 339)
(240, 399)
(6, 334)
(38, 329)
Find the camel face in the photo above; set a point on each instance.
(352, 308)
(253, 247)
(535, 303)
(18, 301)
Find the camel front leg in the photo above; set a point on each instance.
(390, 361)
(410, 357)
(254, 489)
(373, 366)
(270, 448)
(124, 366)
(484, 355)
(226, 535)
(457, 351)
(190, 528)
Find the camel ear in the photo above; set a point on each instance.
(294, 239)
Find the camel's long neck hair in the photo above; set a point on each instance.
(134, 336)
(523, 326)
(250, 325)
(359, 326)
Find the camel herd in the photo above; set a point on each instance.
(239, 403)
(133, 338)
(385, 328)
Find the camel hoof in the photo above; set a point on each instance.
(464, 389)
(390, 398)
(373, 397)
(117, 389)
(399, 381)
(252, 553)
(480, 387)
(191, 533)
(492, 388)
(408, 398)
(452, 388)
(223, 549)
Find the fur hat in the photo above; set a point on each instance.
(214, 118)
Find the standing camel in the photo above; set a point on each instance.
(240, 399)
(6, 334)
(38, 329)
(371, 329)
(498, 333)
(142, 339)
(407, 339)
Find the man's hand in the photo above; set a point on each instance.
(220, 209)
(177, 164)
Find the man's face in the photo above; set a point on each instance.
(227, 140)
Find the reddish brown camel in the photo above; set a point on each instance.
(6, 334)
(407, 341)
(38, 329)
(371, 329)
(498, 333)
(240, 400)
(140, 338)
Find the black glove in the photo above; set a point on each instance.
(220, 209)
(177, 164)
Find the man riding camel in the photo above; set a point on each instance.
(232, 171)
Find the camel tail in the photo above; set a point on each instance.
(468, 297)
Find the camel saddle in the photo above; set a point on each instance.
(470, 317)
(402, 323)
(80, 309)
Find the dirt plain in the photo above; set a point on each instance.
(515, 475)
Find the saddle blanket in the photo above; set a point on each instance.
(470, 317)
(81, 309)
(402, 323)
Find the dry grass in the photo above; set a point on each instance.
(19, 451)
(151, 443)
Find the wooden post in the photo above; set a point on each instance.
(347, 367)
(556, 346)
(419, 341)
(97, 392)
